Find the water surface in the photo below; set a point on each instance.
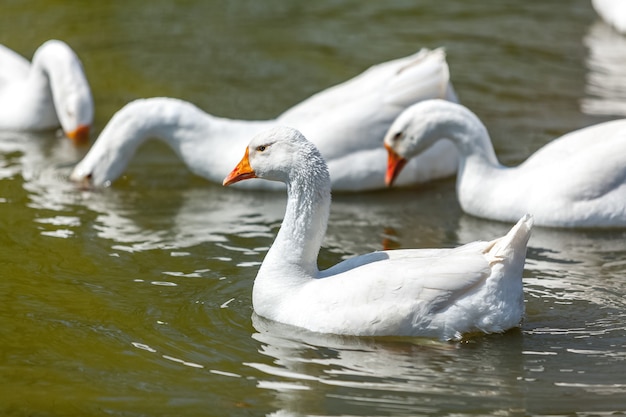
(136, 300)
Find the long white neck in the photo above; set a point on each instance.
(469, 135)
(58, 72)
(480, 175)
(298, 242)
(38, 91)
(208, 145)
(44, 63)
(437, 119)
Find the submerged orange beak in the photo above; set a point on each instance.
(80, 135)
(395, 163)
(242, 171)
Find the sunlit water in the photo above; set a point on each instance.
(136, 300)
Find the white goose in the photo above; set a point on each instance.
(612, 12)
(441, 293)
(347, 122)
(578, 180)
(51, 92)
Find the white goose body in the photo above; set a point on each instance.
(578, 180)
(347, 123)
(52, 91)
(440, 293)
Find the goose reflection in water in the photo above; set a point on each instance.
(309, 371)
(606, 77)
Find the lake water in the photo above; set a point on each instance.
(136, 300)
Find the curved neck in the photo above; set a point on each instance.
(141, 120)
(469, 135)
(479, 178)
(57, 74)
(39, 81)
(42, 67)
(208, 145)
(302, 232)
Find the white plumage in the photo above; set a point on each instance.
(52, 91)
(442, 293)
(347, 122)
(577, 180)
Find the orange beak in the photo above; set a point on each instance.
(80, 135)
(242, 171)
(395, 163)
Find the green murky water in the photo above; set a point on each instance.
(135, 301)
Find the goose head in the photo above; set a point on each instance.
(111, 152)
(404, 139)
(279, 154)
(71, 93)
(75, 113)
(415, 130)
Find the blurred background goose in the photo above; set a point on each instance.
(347, 122)
(577, 180)
(48, 93)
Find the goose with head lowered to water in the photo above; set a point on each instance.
(347, 122)
(438, 293)
(51, 91)
(577, 180)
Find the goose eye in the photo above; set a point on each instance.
(261, 148)
(397, 136)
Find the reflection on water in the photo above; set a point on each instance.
(575, 313)
(205, 212)
(183, 255)
(572, 344)
(606, 77)
(309, 372)
(136, 300)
